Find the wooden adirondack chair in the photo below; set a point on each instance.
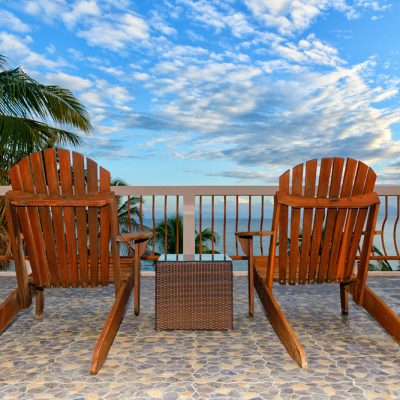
(321, 223)
(66, 220)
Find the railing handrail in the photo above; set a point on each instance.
(239, 190)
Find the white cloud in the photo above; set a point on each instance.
(309, 50)
(76, 54)
(114, 71)
(115, 34)
(293, 16)
(72, 82)
(208, 14)
(18, 47)
(157, 22)
(81, 9)
(46, 9)
(93, 98)
(287, 16)
(51, 49)
(9, 20)
(141, 76)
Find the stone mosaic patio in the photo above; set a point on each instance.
(348, 358)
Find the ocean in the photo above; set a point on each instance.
(255, 226)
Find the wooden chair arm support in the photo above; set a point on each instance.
(24, 199)
(134, 236)
(254, 233)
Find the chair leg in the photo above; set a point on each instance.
(9, 310)
(380, 311)
(251, 285)
(39, 294)
(280, 324)
(140, 248)
(111, 326)
(136, 283)
(344, 299)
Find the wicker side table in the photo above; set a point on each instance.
(194, 292)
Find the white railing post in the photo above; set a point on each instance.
(189, 224)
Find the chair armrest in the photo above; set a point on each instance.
(24, 199)
(254, 233)
(134, 236)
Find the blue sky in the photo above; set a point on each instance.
(185, 92)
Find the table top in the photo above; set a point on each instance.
(193, 258)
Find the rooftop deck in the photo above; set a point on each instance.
(348, 357)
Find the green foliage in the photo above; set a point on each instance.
(125, 219)
(171, 225)
(379, 265)
(35, 116)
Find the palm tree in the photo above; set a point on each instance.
(128, 221)
(35, 116)
(132, 219)
(171, 225)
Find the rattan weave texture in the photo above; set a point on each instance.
(194, 295)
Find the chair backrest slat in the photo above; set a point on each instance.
(316, 238)
(334, 191)
(283, 228)
(69, 216)
(93, 219)
(50, 162)
(356, 221)
(24, 217)
(105, 229)
(33, 215)
(81, 218)
(297, 186)
(323, 242)
(346, 190)
(309, 191)
(40, 184)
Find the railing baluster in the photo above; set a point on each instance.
(395, 225)
(189, 223)
(200, 224)
(249, 221)
(165, 227)
(383, 226)
(224, 224)
(261, 224)
(177, 225)
(129, 214)
(237, 225)
(141, 212)
(153, 207)
(212, 225)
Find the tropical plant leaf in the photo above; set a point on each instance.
(3, 62)
(24, 97)
(21, 136)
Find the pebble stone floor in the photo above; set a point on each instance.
(348, 358)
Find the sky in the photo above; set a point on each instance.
(185, 92)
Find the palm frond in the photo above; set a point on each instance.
(24, 97)
(21, 136)
(379, 265)
(3, 62)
